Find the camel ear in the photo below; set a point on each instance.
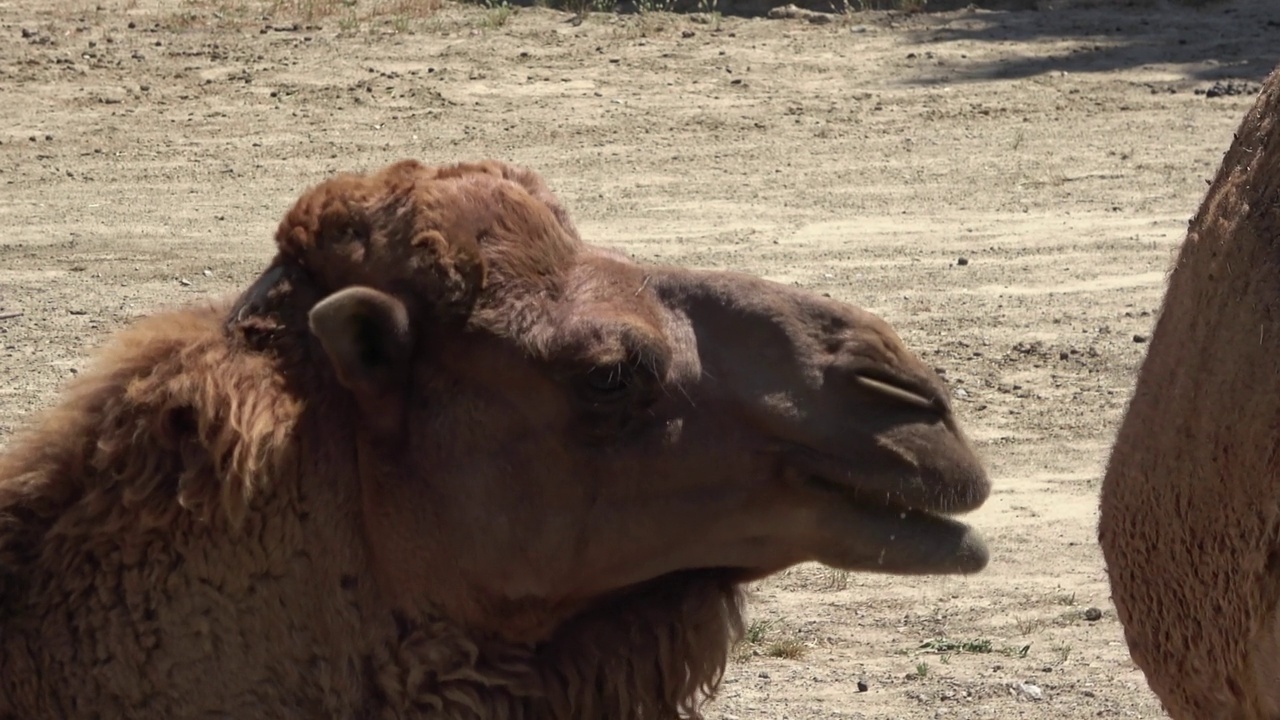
(368, 339)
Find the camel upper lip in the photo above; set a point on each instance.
(875, 502)
(903, 487)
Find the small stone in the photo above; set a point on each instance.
(688, 34)
(1064, 355)
(862, 686)
(112, 95)
(132, 25)
(962, 261)
(1093, 614)
(48, 138)
(1029, 691)
(1139, 338)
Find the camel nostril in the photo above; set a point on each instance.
(898, 391)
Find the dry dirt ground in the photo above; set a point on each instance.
(147, 151)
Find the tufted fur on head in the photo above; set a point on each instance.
(415, 231)
(373, 230)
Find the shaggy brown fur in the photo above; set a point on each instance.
(1190, 508)
(445, 460)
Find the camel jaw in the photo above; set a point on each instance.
(899, 527)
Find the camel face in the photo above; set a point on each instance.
(862, 432)
(568, 423)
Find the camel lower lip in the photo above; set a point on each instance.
(890, 537)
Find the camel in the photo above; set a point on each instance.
(1189, 520)
(444, 459)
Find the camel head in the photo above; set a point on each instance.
(540, 423)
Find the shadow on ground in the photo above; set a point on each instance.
(1229, 41)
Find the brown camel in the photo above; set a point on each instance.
(1190, 507)
(445, 460)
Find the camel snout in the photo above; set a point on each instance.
(888, 425)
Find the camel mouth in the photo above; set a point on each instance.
(898, 518)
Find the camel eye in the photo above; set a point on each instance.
(606, 384)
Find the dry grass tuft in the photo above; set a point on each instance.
(787, 648)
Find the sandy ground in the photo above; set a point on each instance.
(146, 153)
